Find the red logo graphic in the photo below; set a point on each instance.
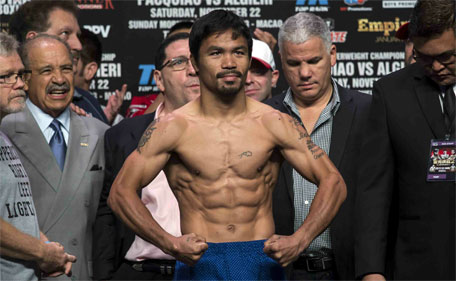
(95, 4)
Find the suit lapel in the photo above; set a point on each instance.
(79, 151)
(31, 142)
(428, 99)
(341, 126)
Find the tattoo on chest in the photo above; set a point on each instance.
(246, 154)
(147, 133)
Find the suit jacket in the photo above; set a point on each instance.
(66, 201)
(89, 103)
(346, 137)
(404, 117)
(112, 238)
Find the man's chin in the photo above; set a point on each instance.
(15, 107)
(446, 80)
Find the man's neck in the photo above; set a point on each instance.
(310, 111)
(219, 108)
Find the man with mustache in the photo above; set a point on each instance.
(334, 117)
(62, 152)
(406, 205)
(23, 247)
(221, 154)
(118, 253)
(59, 18)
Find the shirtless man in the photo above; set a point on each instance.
(221, 154)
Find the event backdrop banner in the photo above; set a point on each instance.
(130, 31)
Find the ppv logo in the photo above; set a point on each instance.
(311, 2)
(146, 74)
(99, 29)
(354, 2)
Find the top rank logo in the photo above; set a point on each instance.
(311, 6)
(95, 4)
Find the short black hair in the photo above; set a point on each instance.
(161, 52)
(180, 25)
(91, 47)
(431, 18)
(218, 21)
(34, 16)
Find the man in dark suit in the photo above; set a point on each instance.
(334, 117)
(118, 254)
(61, 152)
(405, 207)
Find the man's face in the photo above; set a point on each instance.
(64, 25)
(12, 96)
(307, 68)
(51, 83)
(260, 81)
(223, 63)
(179, 86)
(437, 55)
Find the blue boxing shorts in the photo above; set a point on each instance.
(232, 261)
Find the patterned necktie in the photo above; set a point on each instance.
(449, 109)
(57, 144)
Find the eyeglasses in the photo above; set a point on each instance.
(444, 58)
(12, 77)
(176, 64)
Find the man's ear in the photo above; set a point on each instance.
(31, 34)
(90, 70)
(274, 78)
(159, 80)
(193, 62)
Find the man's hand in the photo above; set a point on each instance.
(79, 111)
(266, 37)
(284, 249)
(189, 248)
(374, 277)
(55, 261)
(114, 103)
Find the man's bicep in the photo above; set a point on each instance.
(303, 154)
(152, 153)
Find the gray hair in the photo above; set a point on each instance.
(42, 36)
(301, 27)
(8, 45)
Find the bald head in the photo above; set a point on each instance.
(42, 38)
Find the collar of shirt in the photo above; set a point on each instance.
(333, 104)
(44, 120)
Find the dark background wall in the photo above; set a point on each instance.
(363, 31)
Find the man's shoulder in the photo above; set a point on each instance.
(358, 97)
(403, 76)
(9, 122)
(277, 100)
(94, 125)
(128, 125)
